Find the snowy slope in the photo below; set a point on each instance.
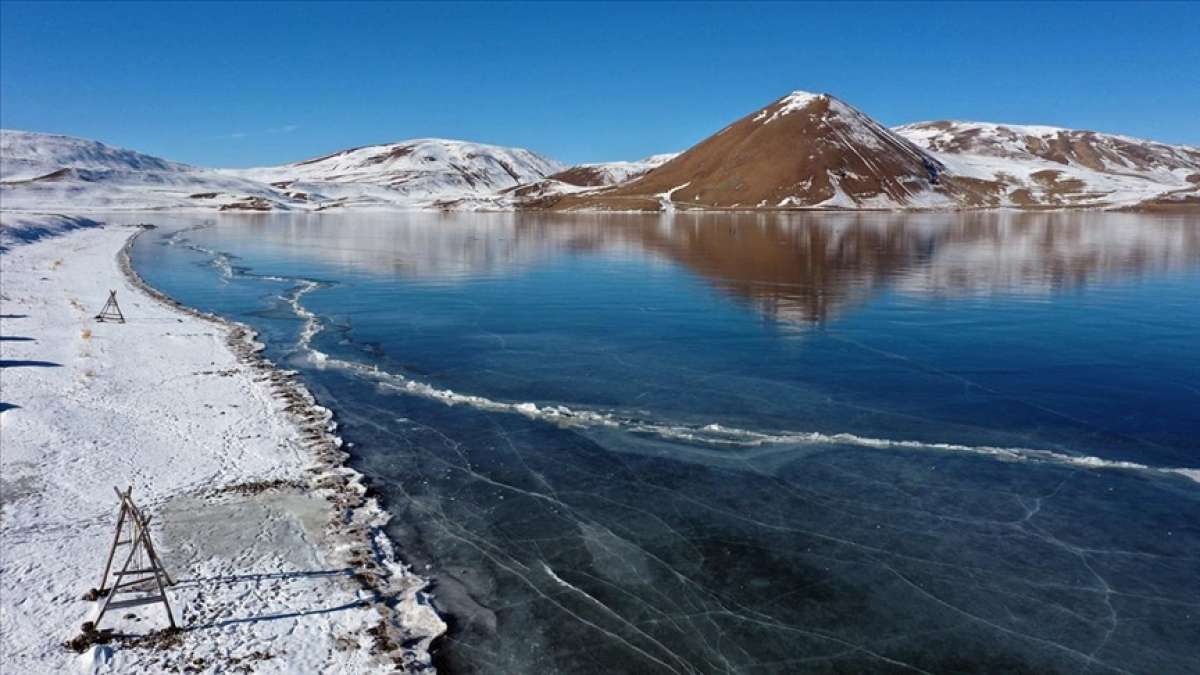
(1031, 166)
(25, 155)
(24, 227)
(803, 150)
(611, 173)
(47, 171)
(546, 192)
(413, 173)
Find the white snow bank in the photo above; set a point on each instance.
(22, 228)
(273, 547)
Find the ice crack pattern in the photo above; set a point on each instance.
(629, 535)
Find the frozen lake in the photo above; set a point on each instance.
(755, 443)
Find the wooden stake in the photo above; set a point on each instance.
(111, 311)
(113, 549)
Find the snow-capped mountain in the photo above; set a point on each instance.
(810, 151)
(41, 171)
(1030, 166)
(803, 150)
(409, 173)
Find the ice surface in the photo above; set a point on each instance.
(737, 442)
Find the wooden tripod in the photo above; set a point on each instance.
(111, 311)
(132, 525)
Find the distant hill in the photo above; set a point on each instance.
(611, 173)
(815, 151)
(802, 151)
(41, 171)
(1037, 166)
(409, 173)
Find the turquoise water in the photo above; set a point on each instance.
(772, 443)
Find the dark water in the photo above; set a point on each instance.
(756, 443)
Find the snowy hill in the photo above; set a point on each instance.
(815, 151)
(1031, 166)
(802, 150)
(611, 173)
(546, 192)
(810, 151)
(42, 171)
(411, 173)
(26, 155)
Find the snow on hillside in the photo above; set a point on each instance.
(803, 150)
(48, 171)
(1028, 165)
(26, 155)
(44, 171)
(598, 174)
(658, 160)
(544, 193)
(1091, 149)
(412, 173)
(793, 102)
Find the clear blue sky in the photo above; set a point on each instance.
(243, 84)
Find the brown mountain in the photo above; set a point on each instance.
(803, 150)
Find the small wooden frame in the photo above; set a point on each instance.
(133, 526)
(111, 311)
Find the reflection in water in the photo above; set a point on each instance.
(792, 267)
(689, 529)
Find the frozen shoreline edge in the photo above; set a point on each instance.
(356, 522)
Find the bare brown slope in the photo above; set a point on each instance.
(802, 150)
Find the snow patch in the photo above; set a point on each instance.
(664, 199)
(793, 102)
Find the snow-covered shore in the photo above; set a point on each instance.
(277, 553)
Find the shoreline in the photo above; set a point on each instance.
(277, 546)
(357, 514)
(1145, 207)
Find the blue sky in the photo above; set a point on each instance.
(245, 84)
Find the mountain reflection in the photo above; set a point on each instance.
(793, 267)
